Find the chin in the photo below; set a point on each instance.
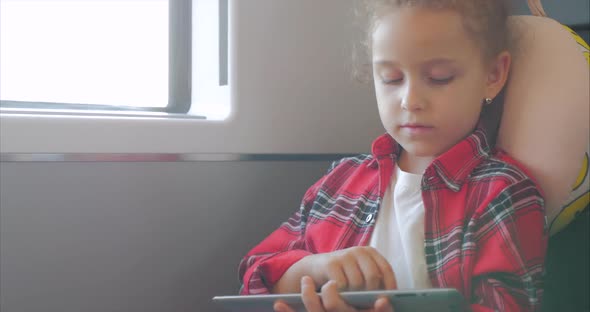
(420, 151)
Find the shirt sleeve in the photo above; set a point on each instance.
(266, 263)
(511, 240)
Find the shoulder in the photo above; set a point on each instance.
(347, 163)
(340, 171)
(511, 199)
(500, 167)
(353, 176)
(506, 180)
(353, 179)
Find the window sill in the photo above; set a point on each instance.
(93, 113)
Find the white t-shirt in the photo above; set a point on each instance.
(399, 232)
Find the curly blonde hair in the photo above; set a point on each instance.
(486, 21)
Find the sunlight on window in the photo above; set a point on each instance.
(112, 52)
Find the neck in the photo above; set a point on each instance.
(414, 164)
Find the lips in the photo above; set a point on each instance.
(416, 129)
(415, 126)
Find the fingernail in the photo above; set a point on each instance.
(305, 281)
(337, 285)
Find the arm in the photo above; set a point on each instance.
(278, 263)
(266, 263)
(511, 242)
(291, 279)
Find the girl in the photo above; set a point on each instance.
(433, 205)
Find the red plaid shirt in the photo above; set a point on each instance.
(485, 231)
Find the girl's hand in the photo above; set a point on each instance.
(356, 268)
(330, 300)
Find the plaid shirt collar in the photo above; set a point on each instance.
(453, 166)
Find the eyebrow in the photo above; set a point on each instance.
(430, 63)
(384, 63)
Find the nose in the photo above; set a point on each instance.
(413, 98)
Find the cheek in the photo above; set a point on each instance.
(458, 106)
(461, 119)
(386, 110)
(466, 98)
(386, 102)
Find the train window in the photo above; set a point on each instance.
(118, 57)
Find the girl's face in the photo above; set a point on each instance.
(430, 79)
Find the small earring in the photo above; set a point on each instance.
(488, 101)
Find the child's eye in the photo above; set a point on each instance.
(391, 81)
(441, 81)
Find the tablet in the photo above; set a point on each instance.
(424, 300)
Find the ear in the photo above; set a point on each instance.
(498, 74)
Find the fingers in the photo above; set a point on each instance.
(388, 276)
(332, 301)
(336, 273)
(354, 276)
(310, 298)
(280, 306)
(358, 268)
(371, 272)
(383, 305)
(375, 270)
